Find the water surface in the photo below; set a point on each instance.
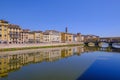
(65, 63)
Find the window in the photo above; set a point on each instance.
(5, 35)
(5, 29)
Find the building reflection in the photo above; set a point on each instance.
(12, 62)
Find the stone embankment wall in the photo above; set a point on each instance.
(3, 46)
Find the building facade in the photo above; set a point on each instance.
(51, 36)
(31, 37)
(92, 38)
(3, 31)
(74, 37)
(66, 37)
(14, 34)
(82, 38)
(25, 35)
(79, 37)
(38, 36)
(9, 33)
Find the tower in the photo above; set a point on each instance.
(66, 29)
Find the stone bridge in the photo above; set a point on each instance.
(109, 40)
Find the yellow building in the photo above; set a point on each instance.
(35, 37)
(14, 34)
(38, 36)
(9, 33)
(69, 37)
(66, 37)
(31, 37)
(3, 31)
(25, 35)
(63, 37)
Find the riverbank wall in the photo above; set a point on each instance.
(11, 47)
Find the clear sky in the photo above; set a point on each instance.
(98, 17)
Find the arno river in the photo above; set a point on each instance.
(64, 63)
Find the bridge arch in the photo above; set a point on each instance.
(109, 40)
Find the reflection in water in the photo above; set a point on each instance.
(13, 61)
(116, 45)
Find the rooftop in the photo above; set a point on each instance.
(3, 21)
(36, 31)
(51, 31)
(14, 26)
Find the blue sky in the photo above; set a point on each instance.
(98, 17)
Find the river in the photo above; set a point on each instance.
(64, 63)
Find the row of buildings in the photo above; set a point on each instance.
(10, 33)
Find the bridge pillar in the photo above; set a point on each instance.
(86, 43)
(96, 43)
(110, 44)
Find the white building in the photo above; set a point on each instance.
(51, 36)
